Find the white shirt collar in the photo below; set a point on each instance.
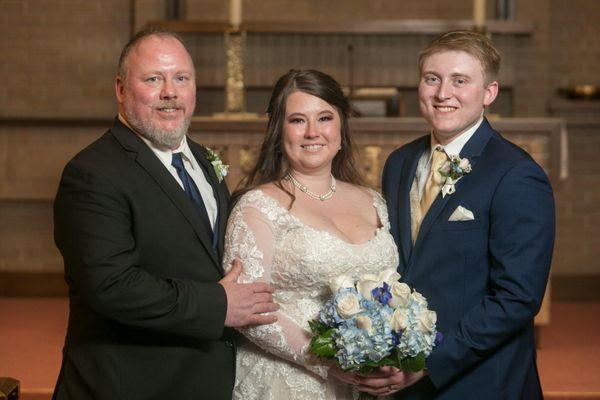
(456, 145)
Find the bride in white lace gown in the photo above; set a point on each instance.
(298, 261)
(299, 240)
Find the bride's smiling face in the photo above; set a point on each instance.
(311, 133)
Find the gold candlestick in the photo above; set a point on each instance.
(479, 16)
(235, 102)
(234, 86)
(235, 14)
(235, 49)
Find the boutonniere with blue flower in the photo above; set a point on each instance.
(453, 171)
(220, 168)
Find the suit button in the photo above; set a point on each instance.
(228, 343)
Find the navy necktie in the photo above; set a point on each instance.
(193, 193)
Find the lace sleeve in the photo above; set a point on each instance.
(251, 238)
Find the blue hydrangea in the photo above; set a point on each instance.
(367, 337)
(328, 314)
(412, 340)
(357, 346)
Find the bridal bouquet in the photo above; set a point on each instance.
(373, 322)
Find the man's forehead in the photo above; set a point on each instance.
(161, 49)
(154, 43)
(463, 60)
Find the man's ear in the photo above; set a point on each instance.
(119, 89)
(491, 91)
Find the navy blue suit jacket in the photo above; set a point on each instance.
(486, 277)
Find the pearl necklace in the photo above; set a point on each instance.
(304, 189)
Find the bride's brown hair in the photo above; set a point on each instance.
(272, 164)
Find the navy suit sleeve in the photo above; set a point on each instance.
(521, 239)
(93, 230)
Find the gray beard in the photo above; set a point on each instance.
(160, 138)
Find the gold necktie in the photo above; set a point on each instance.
(435, 180)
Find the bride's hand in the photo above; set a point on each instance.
(344, 376)
(387, 380)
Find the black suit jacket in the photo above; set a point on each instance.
(146, 312)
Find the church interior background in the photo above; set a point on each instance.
(59, 60)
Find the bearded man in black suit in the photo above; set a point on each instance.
(139, 219)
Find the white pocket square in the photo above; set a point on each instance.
(461, 214)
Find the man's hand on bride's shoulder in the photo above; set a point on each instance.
(247, 302)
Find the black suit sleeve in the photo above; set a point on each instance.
(93, 230)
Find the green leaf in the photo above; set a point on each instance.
(365, 369)
(387, 361)
(317, 327)
(414, 364)
(397, 357)
(322, 345)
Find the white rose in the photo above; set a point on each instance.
(419, 299)
(366, 284)
(399, 320)
(426, 320)
(348, 306)
(389, 276)
(340, 282)
(464, 164)
(448, 190)
(400, 294)
(363, 322)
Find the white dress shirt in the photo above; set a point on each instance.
(192, 167)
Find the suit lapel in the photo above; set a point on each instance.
(472, 150)
(407, 178)
(475, 146)
(152, 165)
(219, 190)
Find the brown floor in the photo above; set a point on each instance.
(32, 334)
(569, 357)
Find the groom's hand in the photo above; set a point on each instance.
(246, 302)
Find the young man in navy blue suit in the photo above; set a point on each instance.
(476, 244)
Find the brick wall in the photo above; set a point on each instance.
(578, 206)
(575, 59)
(575, 46)
(331, 10)
(59, 56)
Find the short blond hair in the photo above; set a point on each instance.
(472, 43)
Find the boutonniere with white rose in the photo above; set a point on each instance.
(221, 169)
(375, 321)
(453, 171)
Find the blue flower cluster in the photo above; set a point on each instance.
(356, 345)
(329, 315)
(414, 340)
(364, 332)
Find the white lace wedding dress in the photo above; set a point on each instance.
(298, 261)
